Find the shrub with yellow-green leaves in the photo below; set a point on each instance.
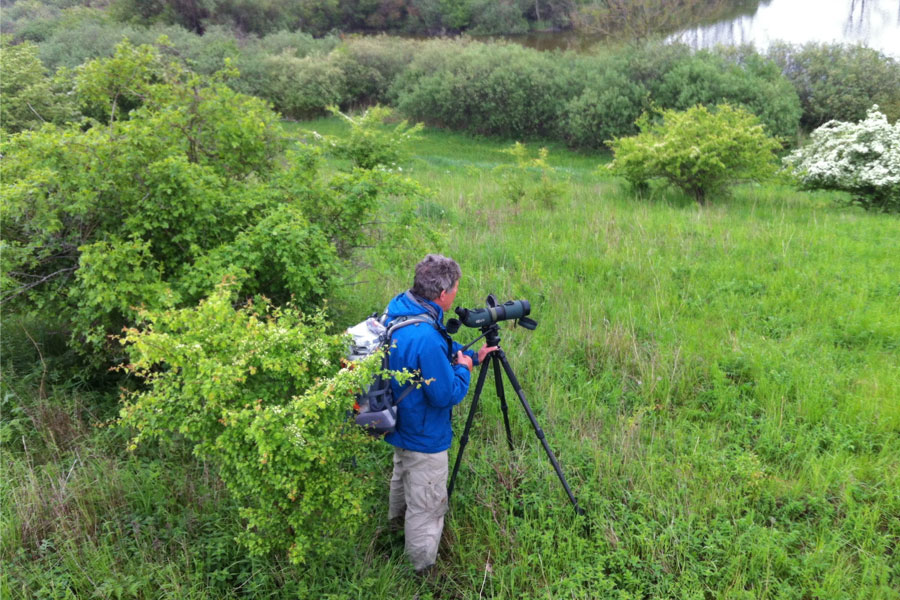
(701, 151)
(259, 392)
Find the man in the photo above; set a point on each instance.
(418, 495)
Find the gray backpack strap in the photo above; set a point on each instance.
(401, 322)
(395, 325)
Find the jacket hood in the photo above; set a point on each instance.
(403, 305)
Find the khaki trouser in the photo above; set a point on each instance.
(419, 492)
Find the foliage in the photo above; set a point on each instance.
(258, 393)
(530, 178)
(746, 80)
(861, 158)
(83, 35)
(301, 87)
(30, 97)
(369, 146)
(839, 81)
(490, 89)
(608, 107)
(498, 16)
(700, 151)
(370, 65)
(719, 386)
(156, 207)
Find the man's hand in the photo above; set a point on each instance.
(464, 360)
(484, 351)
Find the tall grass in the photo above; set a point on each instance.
(720, 385)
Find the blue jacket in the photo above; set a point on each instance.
(423, 416)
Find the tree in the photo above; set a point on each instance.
(700, 150)
(861, 158)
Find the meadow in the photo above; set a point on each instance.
(719, 383)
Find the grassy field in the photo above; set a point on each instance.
(721, 385)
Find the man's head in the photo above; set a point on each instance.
(437, 279)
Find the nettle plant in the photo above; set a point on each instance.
(259, 392)
(861, 158)
(531, 178)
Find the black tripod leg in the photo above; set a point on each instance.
(537, 428)
(482, 375)
(498, 380)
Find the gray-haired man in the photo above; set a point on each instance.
(423, 434)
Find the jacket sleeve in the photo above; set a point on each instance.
(473, 355)
(446, 384)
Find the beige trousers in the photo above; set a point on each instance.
(419, 493)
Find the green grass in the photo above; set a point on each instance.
(721, 385)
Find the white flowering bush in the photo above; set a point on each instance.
(860, 158)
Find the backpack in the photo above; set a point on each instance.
(376, 407)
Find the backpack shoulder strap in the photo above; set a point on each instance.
(401, 322)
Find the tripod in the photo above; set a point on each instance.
(495, 359)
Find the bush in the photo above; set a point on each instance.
(368, 146)
(862, 159)
(498, 17)
(840, 82)
(490, 89)
(83, 35)
(752, 82)
(30, 97)
(257, 392)
(608, 107)
(157, 206)
(371, 64)
(302, 87)
(700, 151)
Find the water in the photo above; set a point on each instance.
(874, 23)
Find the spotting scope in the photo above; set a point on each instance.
(494, 312)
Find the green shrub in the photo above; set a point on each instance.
(838, 81)
(301, 87)
(862, 159)
(296, 43)
(371, 64)
(700, 151)
(368, 145)
(608, 107)
(497, 17)
(257, 393)
(83, 35)
(29, 20)
(752, 82)
(490, 89)
(155, 207)
(205, 55)
(30, 97)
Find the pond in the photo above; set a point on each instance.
(874, 23)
